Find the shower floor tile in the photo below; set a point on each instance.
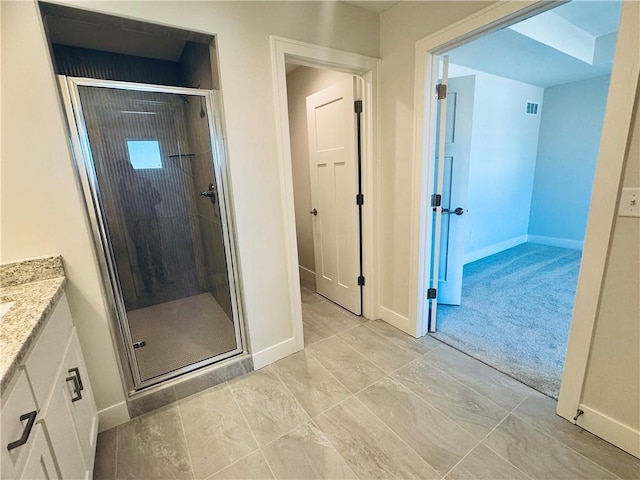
(180, 333)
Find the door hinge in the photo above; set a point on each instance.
(361, 281)
(357, 106)
(360, 199)
(436, 200)
(441, 91)
(431, 293)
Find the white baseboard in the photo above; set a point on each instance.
(274, 353)
(307, 275)
(556, 242)
(620, 435)
(495, 248)
(397, 320)
(113, 416)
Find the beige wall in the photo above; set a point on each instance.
(400, 28)
(42, 210)
(302, 82)
(612, 384)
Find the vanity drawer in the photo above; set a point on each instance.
(44, 360)
(19, 413)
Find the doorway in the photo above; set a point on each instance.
(523, 193)
(285, 51)
(323, 132)
(154, 170)
(326, 179)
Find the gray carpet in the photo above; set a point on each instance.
(516, 312)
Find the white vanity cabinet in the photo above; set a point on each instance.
(53, 382)
(19, 414)
(40, 462)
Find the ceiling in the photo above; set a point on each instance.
(372, 5)
(572, 42)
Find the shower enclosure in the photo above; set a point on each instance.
(151, 161)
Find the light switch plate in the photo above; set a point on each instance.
(629, 203)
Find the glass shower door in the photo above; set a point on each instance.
(157, 186)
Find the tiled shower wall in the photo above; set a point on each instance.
(85, 62)
(192, 249)
(109, 129)
(210, 255)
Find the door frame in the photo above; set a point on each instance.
(607, 180)
(85, 170)
(285, 50)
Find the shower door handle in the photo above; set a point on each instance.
(211, 193)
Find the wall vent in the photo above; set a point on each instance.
(532, 108)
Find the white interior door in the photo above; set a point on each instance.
(331, 124)
(457, 151)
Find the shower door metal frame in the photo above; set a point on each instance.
(86, 171)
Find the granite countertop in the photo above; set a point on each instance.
(35, 286)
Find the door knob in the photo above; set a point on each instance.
(457, 211)
(314, 212)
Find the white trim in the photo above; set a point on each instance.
(113, 416)
(616, 135)
(274, 353)
(619, 434)
(514, 242)
(394, 318)
(306, 275)
(283, 50)
(556, 242)
(490, 19)
(495, 248)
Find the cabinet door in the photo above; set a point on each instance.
(83, 411)
(61, 425)
(19, 412)
(39, 464)
(45, 359)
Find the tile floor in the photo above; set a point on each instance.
(363, 400)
